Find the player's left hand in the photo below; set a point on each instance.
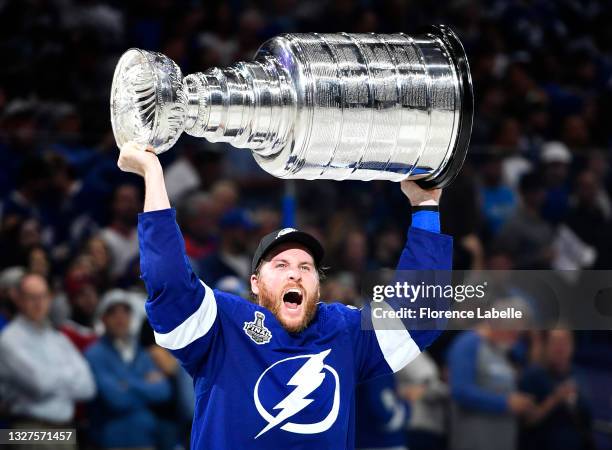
(419, 196)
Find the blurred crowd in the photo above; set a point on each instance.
(535, 193)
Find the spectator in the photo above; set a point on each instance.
(19, 142)
(562, 417)
(220, 39)
(38, 262)
(575, 132)
(464, 220)
(588, 220)
(341, 287)
(599, 166)
(526, 235)
(421, 385)
(83, 300)
(99, 257)
(42, 372)
(72, 221)
(128, 382)
(182, 177)
(225, 196)
(498, 199)
(388, 246)
(250, 30)
(17, 242)
(120, 235)
(556, 159)
(490, 109)
(10, 278)
(485, 398)
(511, 142)
(231, 258)
(352, 252)
(174, 416)
(136, 300)
(68, 147)
(198, 218)
(27, 200)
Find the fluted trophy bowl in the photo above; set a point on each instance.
(314, 106)
(147, 100)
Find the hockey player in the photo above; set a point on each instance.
(278, 373)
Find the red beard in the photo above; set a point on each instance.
(273, 302)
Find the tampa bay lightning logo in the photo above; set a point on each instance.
(307, 379)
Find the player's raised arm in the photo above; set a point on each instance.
(141, 160)
(180, 308)
(425, 252)
(426, 249)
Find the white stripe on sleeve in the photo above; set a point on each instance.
(395, 342)
(194, 327)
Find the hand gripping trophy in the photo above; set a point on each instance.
(314, 106)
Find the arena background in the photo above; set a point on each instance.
(542, 72)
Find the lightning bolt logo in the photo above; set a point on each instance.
(306, 380)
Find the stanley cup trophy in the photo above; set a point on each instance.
(314, 106)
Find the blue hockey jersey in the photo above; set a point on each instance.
(256, 385)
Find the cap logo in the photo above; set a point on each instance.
(284, 231)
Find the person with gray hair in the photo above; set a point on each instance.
(9, 289)
(41, 371)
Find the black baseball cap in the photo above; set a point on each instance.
(269, 241)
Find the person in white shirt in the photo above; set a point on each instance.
(42, 374)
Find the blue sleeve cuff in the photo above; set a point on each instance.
(168, 212)
(427, 220)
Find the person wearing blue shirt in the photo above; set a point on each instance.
(128, 383)
(280, 372)
(498, 201)
(485, 398)
(562, 417)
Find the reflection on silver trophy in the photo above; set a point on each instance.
(313, 106)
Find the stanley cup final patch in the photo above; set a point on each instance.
(256, 329)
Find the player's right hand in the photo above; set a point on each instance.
(419, 196)
(137, 158)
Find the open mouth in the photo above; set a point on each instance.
(292, 298)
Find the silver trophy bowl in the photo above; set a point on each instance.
(314, 106)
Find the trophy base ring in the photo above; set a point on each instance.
(466, 91)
